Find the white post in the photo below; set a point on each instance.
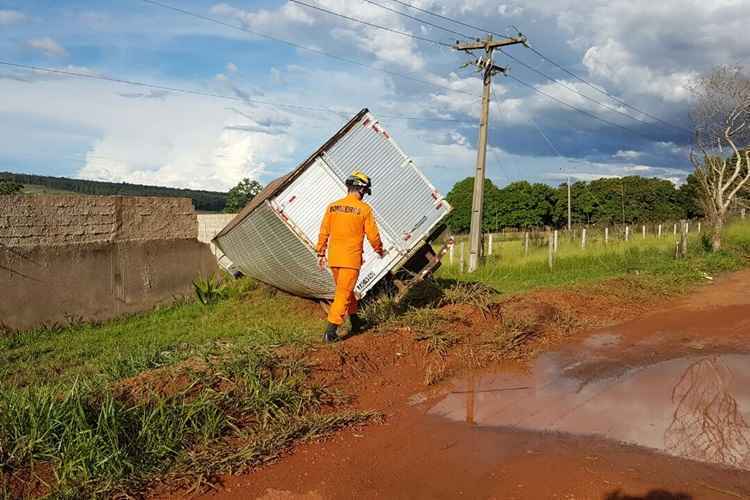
(450, 252)
(551, 253)
(526, 244)
(699, 227)
(643, 228)
(687, 226)
(489, 250)
(583, 238)
(674, 231)
(462, 256)
(627, 233)
(556, 242)
(606, 235)
(659, 233)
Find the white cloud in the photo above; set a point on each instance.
(8, 17)
(232, 68)
(48, 46)
(627, 154)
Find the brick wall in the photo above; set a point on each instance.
(63, 219)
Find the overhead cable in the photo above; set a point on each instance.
(89, 76)
(446, 18)
(413, 18)
(547, 59)
(573, 89)
(300, 46)
(372, 25)
(579, 110)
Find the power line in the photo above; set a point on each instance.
(135, 83)
(300, 46)
(574, 108)
(446, 18)
(572, 89)
(604, 92)
(373, 25)
(428, 23)
(545, 58)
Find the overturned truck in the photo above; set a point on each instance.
(273, 238)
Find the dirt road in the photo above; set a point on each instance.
(657, 407)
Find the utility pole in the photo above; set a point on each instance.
(489, 69)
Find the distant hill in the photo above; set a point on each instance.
(209, 201)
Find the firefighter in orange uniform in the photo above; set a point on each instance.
(345, 224)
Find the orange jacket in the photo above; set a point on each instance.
(345, 224)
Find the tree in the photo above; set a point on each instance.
(241, 194)
(9, 187)
(721, 115)
(460, 198)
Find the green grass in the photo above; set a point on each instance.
(100, 441)
(129, 345)
(508, 270)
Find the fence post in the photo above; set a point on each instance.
(687, 226)
(489, 245)
(674, 231)
(659, 233)
(450, 252)
(682, 242)
(606, 235)
(643, 229)
(526, 244)
(556, 242)
(627, 233)
(583, 238)
(462, 256)
(699, 227)
(551, 253)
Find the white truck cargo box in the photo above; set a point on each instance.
(273, 238)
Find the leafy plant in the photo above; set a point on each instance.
(210, 290)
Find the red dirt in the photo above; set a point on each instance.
(420, 455)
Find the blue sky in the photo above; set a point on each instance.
(643, 52)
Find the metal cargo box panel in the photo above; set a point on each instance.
(265, 248)
(272, 239)
(407, 205)
(303, 203)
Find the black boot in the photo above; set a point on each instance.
(330, 334)
(358, 324)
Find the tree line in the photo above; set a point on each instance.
(210, 201)
(625, 200)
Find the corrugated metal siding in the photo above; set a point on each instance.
(265, 248)
(406, 204)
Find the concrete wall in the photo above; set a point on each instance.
(209, 226)
(92, 258)
(61, 219)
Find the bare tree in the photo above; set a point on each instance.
(721, 115)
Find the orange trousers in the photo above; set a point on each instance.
(344, 301)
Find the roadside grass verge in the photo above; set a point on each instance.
(89, 440)
(508, 271)
(126, 346)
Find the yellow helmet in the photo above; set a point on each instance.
(360, 179)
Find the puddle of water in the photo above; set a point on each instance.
(695, 407)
